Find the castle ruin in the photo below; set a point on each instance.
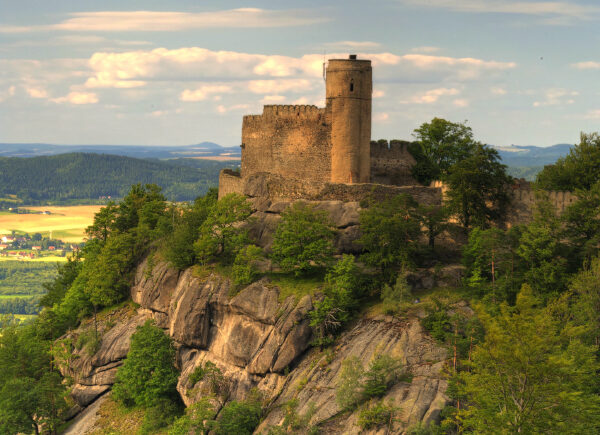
(310, 152)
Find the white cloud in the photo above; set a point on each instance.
(36, 92)
(203, 92)
(158, 21)
(554, 12)
(273, 99)
(592, 114)
(497, 90)
(586, 65)
(557, 96)
(425, 49)
(223, 109)
(461, 102)
(381, 117)
(278, 85)
(378, 93)
(78, 98)
(432, 95)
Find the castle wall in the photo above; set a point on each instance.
(392, 163)
(229, 182)
(291, 141)
(523, 200)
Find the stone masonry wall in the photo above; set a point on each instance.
(291, 141)
(392, 163)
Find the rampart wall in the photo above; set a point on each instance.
(392, 163)
(291, 141)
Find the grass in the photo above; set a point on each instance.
(297, 286)
(21, 296)
(66, 223)
(42, 259)
(115, 419)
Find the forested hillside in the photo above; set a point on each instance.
(77, 176)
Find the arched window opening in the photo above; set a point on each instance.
(351, 86)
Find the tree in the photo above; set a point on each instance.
(439, 145)
(434, 219)
(478, 188)
(244, 269)
(542, 251)
(585, 311)
(240, 417)
(221, 233)
(527, 378)
(104, 222)
(303, 239)
(390, 231)
(148, 373)
(187, 221)
(393, 298)
(341, 297)
(580, 169)
(582, 222)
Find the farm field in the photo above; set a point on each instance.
(66, 223)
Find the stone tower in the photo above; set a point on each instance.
(349, 85)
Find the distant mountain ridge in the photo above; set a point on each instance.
(83, 176)
(519, 155)
(202, 150)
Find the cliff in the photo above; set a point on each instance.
(259, 341)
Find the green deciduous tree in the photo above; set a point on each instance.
(582, 222)
(526, 377)
(303, 239)
(148, 374)
(244, 269)
(478, 188)
(439, 145)
(221, 234)
(580, 169)
(390, 231)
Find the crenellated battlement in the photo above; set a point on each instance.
(393, 149)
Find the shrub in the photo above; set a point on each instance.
(244, 265)
(239, 417)
(303, 239)
(198, 418)
(160, 415)
(394, 297)
(349, 390)
(383, 372)
(216, 381)
(148, 374)
(377, 415)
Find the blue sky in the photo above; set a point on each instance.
(183, 72)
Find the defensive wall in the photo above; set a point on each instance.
(392, 163)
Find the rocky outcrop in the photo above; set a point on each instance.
(259, 341)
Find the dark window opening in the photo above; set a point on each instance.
(351, 87)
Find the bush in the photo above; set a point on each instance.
(303, 239)
(148, 375)
(357, 385)
(437, 324)
(394, 297)
(160, 415)
(239, 417)
(216, 381)
(198, 418)
(377, 415)
(244, 265)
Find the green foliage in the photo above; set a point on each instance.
(160, 415)
(148, 373)
(239, 417)
(478, 188)
(376, 415)
(394, 297)
(582, 223)
(303, 239)
(221, 234)
(294, 422)
(340, 299)
(88, 341)
(198, 418)
(215, 381)
(439, 145)
(437, 324)
(75, 176)
(356, 385)
(528, 376)
(66, 274)
(244, 266)
(389, 233)
(580, 169)
(434, 219)
(178, 247)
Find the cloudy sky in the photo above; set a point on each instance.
(185, 71)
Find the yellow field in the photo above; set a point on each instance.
(66, 223)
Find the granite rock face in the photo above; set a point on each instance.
(259, 341)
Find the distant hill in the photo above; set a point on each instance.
(77, 176)
(526, 161)
(200, 151)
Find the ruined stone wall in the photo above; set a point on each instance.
(229, 182)
(523, 199)
(291, 141)
(392, 163)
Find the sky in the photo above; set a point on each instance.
(181, 72)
